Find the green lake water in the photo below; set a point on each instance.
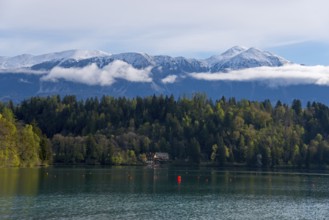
(154, 193)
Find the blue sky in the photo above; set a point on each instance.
(307, 53)
(294, 29)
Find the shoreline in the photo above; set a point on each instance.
(229, 167)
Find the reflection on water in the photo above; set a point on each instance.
(19, 181)
(15, 182)
(143, 193)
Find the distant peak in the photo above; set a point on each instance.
(253, 49)
(239, 48)
(228, 54)
(77, 54)
(85, 54)
(234, 51)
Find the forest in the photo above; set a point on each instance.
(196, 130)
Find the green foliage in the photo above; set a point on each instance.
(8, 143)
(214, 152)
(120, 130)
(195, 152)
(19, 144)
(29, 146)
(117, 158)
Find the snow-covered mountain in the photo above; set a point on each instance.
(239, 72)
(234, 58)
(241, 58)
(221, 58)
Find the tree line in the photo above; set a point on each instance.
(21, 144)
(195, 130)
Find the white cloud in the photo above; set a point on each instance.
(273, 76)
(169, 79)
(21, 71)
(172, 27)
(92, 75)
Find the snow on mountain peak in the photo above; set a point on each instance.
(70, 54)
(241, 58)
(234, 51)
(236, 57)
(264, 56)
(140, 60)
(228, 54)
(252, 53)
(86, 54)
(28, 60)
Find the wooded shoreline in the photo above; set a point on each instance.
(114, 131)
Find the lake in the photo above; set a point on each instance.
(155, 193)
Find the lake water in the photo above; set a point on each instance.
(154, 193)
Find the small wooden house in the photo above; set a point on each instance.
(160, 156)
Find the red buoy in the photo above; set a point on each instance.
(179, 179)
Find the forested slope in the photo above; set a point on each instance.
(198, 129)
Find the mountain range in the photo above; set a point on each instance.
(238, 72)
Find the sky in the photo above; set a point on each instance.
(294, 29)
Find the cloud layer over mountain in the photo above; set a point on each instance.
(98, 68)
(270, 76)
(169, 79)
(106, 76)
(273, 76)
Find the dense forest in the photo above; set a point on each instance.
(192, 130)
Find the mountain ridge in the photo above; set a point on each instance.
(237, 72)
(143, 60)
(28, 60)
